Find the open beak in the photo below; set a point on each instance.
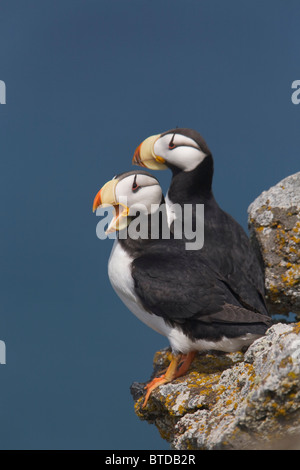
(107, 197)
(144, 155)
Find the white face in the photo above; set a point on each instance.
(138, 192)
(180, 151)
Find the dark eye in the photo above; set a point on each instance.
(171, 143)
(135, 186)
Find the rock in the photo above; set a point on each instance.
(251, 400)
(274, 224)
(232, 401)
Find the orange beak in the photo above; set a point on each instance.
(97, 201)
(145, 156)
(107, 197)
(137, 157)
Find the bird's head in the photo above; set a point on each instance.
(181, 149)
(129, 193)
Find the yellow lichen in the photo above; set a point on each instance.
(291, 276)
(285, 361)
(292, 375)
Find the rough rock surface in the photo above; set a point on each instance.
(274, 224)
(232, 401)
(236, 401)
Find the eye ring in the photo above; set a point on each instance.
(135, 186)
(171, 143)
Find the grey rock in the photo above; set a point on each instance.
(250, 401)
(234, 401)
(274, 225)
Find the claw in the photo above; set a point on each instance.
(178, 367)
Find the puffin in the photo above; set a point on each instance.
(183, 297)
(226, 244)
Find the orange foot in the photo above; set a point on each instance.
(178, 367)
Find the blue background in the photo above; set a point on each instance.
(86, 82)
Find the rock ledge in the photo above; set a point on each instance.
(274, 225)
(236, 401)
(232, 401)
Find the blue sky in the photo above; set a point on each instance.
(86, 81)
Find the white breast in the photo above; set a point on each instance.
(119, 272)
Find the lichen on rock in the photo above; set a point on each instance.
(232, 401)
(274, 224)
(251, 400)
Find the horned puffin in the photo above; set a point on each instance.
(226, 245)
(181, 297)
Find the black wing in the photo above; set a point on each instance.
(186, 290)
(228, 248)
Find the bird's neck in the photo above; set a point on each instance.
(187, 185)
(145, 231)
